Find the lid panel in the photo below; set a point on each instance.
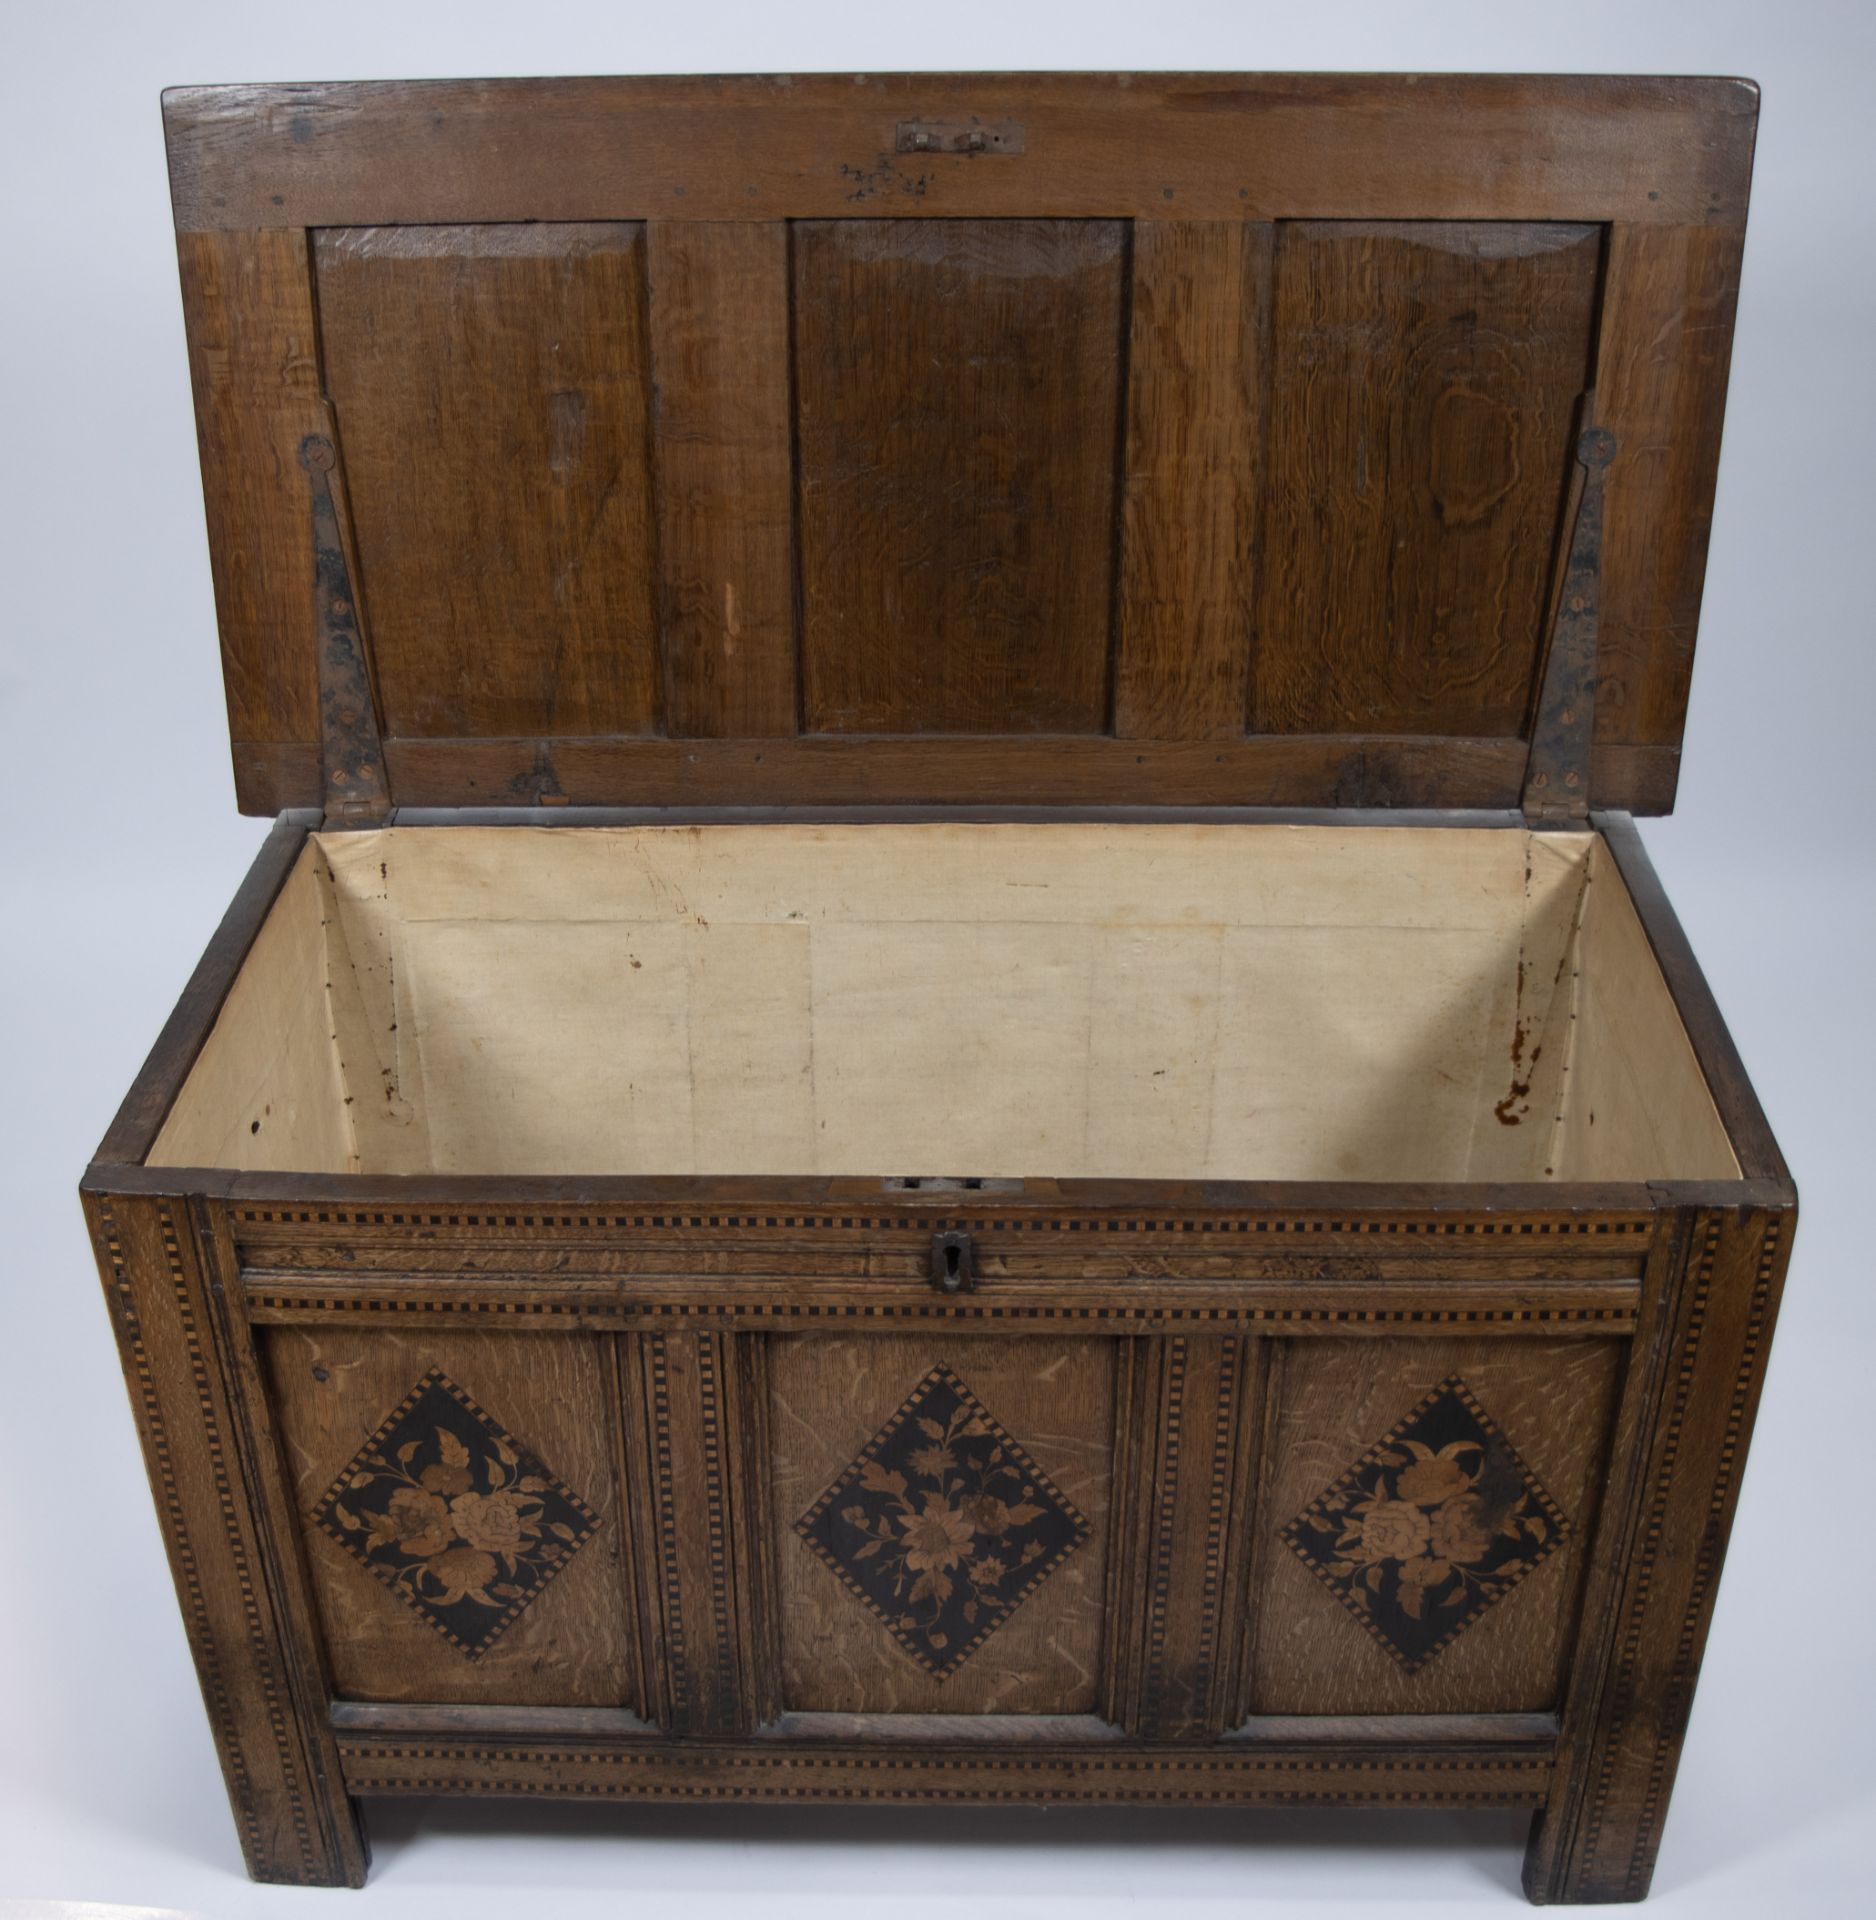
(491, 389)
(1666, 343)
(1197, 385)
(958, 396)
(726, 486)
(1425, 385)
(254, 359)
(979, 482)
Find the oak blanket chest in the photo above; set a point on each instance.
(954, 1075)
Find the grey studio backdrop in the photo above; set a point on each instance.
(122, 847)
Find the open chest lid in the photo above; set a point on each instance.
(1151, 439)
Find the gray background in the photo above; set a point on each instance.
(123, 847)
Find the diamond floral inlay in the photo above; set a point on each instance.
(455, 1515)
(943, 1526)
(1434, 1524)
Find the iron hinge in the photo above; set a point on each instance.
(1556, 775)
(357, 791)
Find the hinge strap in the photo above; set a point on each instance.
(1556, 777)
(351, 752)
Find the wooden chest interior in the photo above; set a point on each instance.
(954, 1075)
(1069, 1001)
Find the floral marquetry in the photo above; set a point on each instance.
(943, 1525)
(455, 1515)
(1432, 1526)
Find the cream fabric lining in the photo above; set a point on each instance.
(1164, 1000)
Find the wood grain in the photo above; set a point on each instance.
(1426, 379)
(1195, 439)
(706, 451)
(1553, 1401)
(331, 1387)
(697, 1420)
(1345, 771)
(1666, 340)
(958, 387)
(1201, 146)
(723, 443)
(492, 391)
(1337, 770)
(237, 1584)
(254, 359)
(831, 1394)
(1354, 1773)
(1189, 1410)
(895, 511)
(1598, 1838)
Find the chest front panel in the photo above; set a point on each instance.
(1370, 1490)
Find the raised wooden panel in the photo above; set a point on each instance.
(1667, 335)
(958, 398)
(1425, 385)
(831, 1394)
(1329, 1403)
(1195, 429)
(719, 348)
(253, 353)
(332, 1388)
(492, 396)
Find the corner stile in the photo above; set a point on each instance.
(253, 1654)
(1598, 1836)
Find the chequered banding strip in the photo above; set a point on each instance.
(710, 1412)
(1564, 1227)
(1560, 1523)
(1212, 1580)
(676, 1666)
(323, 1516)
(1628, 1658)
(259, 1637)
(1677, 1700)
(1097, 1779)
(1166, 1512)
(201, 1633)
(269, 1300)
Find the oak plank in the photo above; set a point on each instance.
(330, 1387)
(958, 392)
(833, 1392)
(1554, 1401)
(1362, 1772)
(1599, 1835)
(254, 360)
(1195, 434)
(722, 442)
(183, 1349)
(1426, 380)
(506, 370)
(1115, 145)
(1667, 337)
